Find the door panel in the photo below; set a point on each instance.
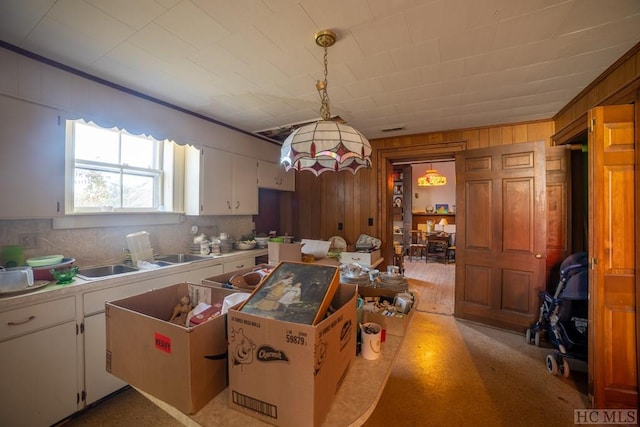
(613, 376)
(500, 240)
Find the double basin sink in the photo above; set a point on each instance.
(115, 269)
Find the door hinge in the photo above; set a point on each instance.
(84, 396)
(80, 329)
(592, 125)
(593, 263)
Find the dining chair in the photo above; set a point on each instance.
(418, 244)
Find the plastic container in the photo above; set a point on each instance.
(12, 256)
(140, 247)
(15, 278)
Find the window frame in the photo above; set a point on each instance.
(166, 176)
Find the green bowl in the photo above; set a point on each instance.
(64, 276)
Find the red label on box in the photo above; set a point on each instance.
(163, 343)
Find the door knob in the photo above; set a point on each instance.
(538, 256)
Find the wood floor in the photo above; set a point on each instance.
(435, 283)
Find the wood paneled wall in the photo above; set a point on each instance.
(617, 85)
(321, 203)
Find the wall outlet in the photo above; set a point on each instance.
(29, 241)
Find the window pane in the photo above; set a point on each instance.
(137, 191)
(96, 144)
(139, 151)
(96, 189)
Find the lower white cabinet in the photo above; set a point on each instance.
(238, 264)
(98, 382)
(53, 353)
(39, 369)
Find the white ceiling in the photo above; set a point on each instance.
(424, 65)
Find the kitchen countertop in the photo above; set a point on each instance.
(54, 290)
(353, 404)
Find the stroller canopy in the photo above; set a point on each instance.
(577, 287)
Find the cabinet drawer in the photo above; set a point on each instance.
(35, 317)
(238, 264)
(94, 301)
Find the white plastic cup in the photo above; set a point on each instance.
(371, 340)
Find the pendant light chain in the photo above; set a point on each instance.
(322, 89)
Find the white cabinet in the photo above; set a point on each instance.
(238, 264)
(32, 160)
(98, 381)
(39, 363)
(220, 183)
(272, 175)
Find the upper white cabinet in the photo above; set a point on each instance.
(220, 183)
(32, 160)
(272, 175)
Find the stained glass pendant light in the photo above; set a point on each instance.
(325, 145)
(431, 178)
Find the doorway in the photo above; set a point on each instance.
(430, 210)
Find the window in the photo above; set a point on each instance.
(116, 171)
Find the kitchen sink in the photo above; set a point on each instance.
(180, 258)
(105, 270)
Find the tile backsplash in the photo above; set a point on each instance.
(93, 246)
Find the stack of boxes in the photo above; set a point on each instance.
(281, 372)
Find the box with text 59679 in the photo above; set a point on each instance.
(286, 372)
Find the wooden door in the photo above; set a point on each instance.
(558, 212)
(613, 375)
(500, 234)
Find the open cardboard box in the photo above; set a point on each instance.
(284, 252)
(185, 367)
(393, 325)
(288, 373)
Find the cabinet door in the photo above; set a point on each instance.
(217, 182)
(245, 185)
(39, 377)
(32, 160)
(98, 382)
(272, 175)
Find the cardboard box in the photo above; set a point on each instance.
(222, 280)
(184, 367)
(365, 259)
(286, 373)
(393, 325)
(295, 292)
(284, 252)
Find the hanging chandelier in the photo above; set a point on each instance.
(431, 178)
(325, 145)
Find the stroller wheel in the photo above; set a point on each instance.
(536, 339)
(565, 368)
(527, 336)
(552, 364)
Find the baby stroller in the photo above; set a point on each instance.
(564, 315)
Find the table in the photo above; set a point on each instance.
(437, 246)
